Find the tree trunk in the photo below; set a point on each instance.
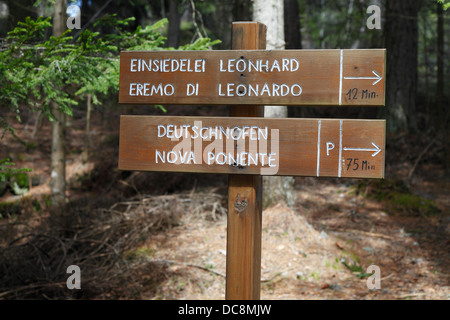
(58, 157)
(173, 39)
(271, 13)
(85, 154)
(58, 175)
(241, 10)
(4, 13)
(442, 113)
(292, 33)
(440, 65)
(401, 33)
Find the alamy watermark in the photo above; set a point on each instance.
(374, 21)
(239, 146)
(74, 19)
(374, 281)
(74, 281)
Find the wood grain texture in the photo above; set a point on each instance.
(244, 226)
(345, 148)
(294, 77)
(244, 217)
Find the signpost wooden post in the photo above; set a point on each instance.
(244, 219)
(245, 145)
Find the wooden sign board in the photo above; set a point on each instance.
(263, 146)
(258, 77)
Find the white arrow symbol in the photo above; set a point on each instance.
(376, 150)
(377, 78)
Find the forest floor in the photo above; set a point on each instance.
(318, 249)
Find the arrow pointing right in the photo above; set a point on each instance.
(375, 150)
(377, 78)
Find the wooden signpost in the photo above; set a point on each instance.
(247, 146)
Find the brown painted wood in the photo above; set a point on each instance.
(244, 226)
(299, 147)
(244, 218)
(295, 77)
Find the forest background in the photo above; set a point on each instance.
(52, 75)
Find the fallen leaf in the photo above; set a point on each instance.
(339, 246)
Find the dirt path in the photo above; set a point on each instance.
(304, 251)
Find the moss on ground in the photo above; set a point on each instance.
(397, 197)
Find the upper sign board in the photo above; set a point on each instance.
(255, 77)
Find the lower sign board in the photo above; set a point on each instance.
(261, 146)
